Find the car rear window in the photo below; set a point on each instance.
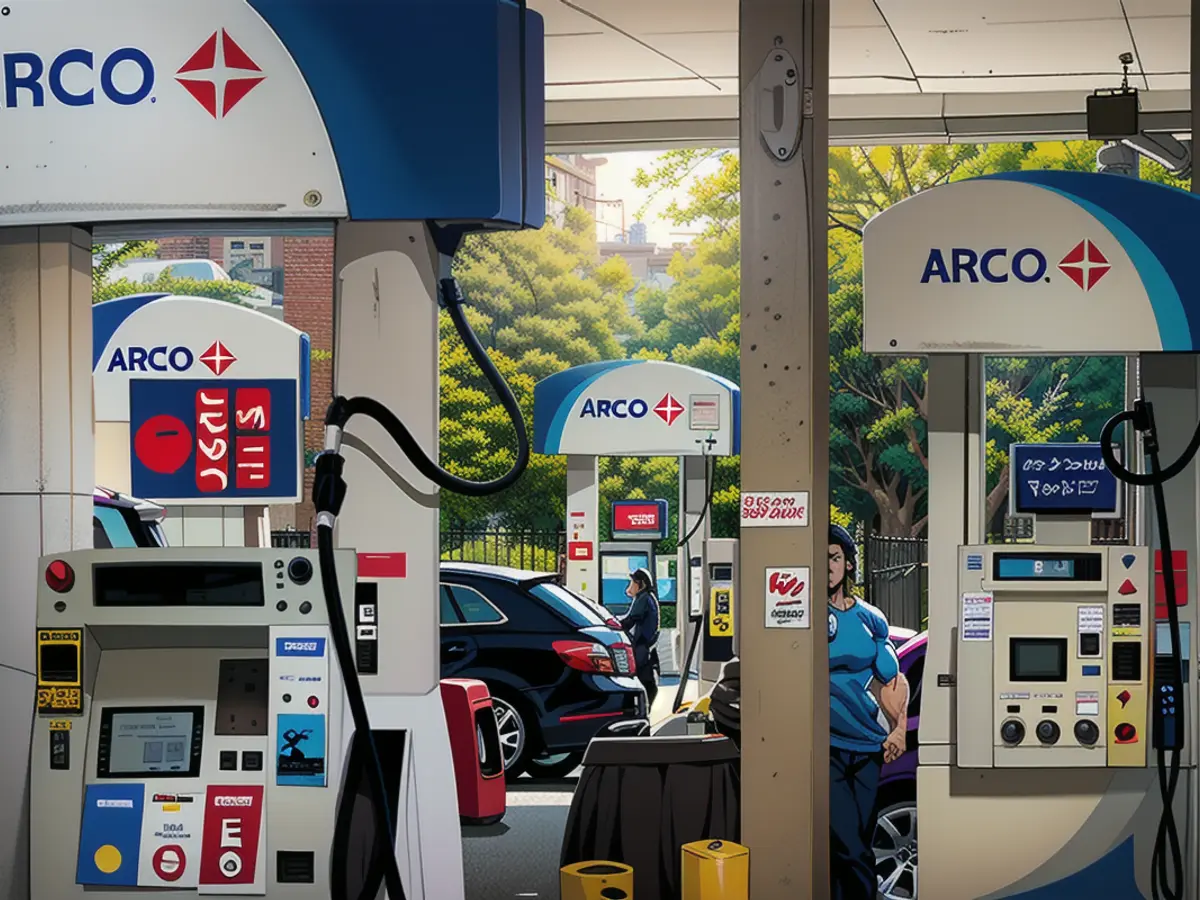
(113, 527)
(575, 610)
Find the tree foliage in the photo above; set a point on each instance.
(543, 301)
(107, 258)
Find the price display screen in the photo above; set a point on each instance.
(1045, 567)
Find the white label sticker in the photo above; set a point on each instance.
(366, 613)
(1087, 703)
(787, 595)
(366, 633)
(778, 508)
(1091, 620)
(976, 617)
(170, 844)
(704, 411)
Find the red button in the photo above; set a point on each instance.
(313, 702)
(59, 577)
(1127, 588)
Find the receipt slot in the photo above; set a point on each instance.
(1054, 652)
(190, 728)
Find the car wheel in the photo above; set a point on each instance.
(554, 765)
(895, 847)
(514, 736)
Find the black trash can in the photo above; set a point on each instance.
(639, 800)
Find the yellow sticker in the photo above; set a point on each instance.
(60, 724)
(170, 807)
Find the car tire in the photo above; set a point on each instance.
(554, 766)
(513, 722)
(895, 847)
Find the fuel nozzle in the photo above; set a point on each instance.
(329, 488)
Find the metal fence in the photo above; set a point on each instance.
(541, 551)
(896, 578)
(291, 538)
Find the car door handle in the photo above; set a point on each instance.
(456, 649)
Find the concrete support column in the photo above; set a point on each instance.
(46, 482)
(785, 437)
(690, 609)
(386, 347)
(583, 522)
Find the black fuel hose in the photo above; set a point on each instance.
(686, 595)
(1166, 867)
(329, 492)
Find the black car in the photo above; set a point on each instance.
(558, 668)
(122, 521)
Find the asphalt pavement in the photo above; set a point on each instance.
(518, 857)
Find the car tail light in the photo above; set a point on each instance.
(585, 656)
(612, 623)
(623, 656)
(60, 577)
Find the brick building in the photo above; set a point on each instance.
(307, 305)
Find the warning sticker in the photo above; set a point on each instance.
(171, 831)
(976, 617)
(1087, 703)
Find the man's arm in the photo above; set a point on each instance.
(633, 618)
(893, 700)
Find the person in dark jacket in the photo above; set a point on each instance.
(642, 625)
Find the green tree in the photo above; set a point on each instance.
(106, 259)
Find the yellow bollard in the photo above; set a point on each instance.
(715, 870)
(596, 880)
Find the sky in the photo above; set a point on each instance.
(614, 181)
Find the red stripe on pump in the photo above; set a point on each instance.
(382, 565)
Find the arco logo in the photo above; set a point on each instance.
(220, 74)
(1085, 264)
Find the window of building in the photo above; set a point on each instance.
(257, 250)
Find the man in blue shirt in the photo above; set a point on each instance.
(867, 722)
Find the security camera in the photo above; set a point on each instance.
(1126, 59)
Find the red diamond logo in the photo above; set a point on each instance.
(668, 409)
(218, 358)
(1085, 265)
(220, 74)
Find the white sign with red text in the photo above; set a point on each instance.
(782, 509)
(788, 591)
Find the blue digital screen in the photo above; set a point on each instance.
(1015, 568)
(1067, 479)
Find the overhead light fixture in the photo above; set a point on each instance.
(1112, 113)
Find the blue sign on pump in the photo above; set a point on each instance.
(110, 837)
(300, 646)
(300, 761)
(1062, 479)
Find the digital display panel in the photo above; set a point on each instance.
(1037, 659)
(150, 742)
(178, 584)
(1046, 567)
(1030, 569)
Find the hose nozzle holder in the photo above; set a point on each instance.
(329, 488)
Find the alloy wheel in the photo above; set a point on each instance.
(511, 729)
(895, 847)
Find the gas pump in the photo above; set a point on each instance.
(637, 526)
(718, 644)
(191, 730)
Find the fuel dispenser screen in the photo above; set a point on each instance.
(1044, 567)
(158, 742)
(1037, 659)
(175, 584)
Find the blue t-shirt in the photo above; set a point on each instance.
(859, 651)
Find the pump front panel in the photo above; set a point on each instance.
(205, 755)
(1053, 657)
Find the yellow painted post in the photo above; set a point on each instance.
(715, 870)
(596, 880)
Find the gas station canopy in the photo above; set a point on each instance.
(627, 73)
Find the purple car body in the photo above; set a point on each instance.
(895, 841)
